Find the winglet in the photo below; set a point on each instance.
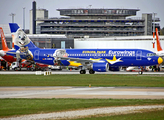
(159, 48)
(4, 43)
(13, 27)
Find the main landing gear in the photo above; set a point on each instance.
(84, 71)
(91, 71)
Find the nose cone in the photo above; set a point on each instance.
(160, 60)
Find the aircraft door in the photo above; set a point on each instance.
(36, 54)
(139, 55)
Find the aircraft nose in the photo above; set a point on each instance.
(160, 60)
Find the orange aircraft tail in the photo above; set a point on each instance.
(4, 43)
(159, 48)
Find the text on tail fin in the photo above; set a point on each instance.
(159, 48)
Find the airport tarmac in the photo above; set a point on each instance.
(77, 72)
(83, 92)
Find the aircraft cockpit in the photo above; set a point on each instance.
(151, 54)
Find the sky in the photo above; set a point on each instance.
(16, 6)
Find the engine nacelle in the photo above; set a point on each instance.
(100, 67)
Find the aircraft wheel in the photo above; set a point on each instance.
(91, 71)
(82, 71)
(140, 72)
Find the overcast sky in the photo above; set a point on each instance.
(16, 6)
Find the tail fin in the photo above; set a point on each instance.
(13, 27)
(4, 43)
(159, 48)
(19, 37)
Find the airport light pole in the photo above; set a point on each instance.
(24, 18)
(154, 30)
(12, 14)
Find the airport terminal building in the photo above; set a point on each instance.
(93, 23)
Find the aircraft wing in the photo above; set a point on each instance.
(16, 53)
(80, 60)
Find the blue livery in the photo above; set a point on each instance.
(100, 60)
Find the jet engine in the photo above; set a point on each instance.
(100, 67)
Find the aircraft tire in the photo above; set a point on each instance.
(82, 71)
(91, 71)
(140, 72)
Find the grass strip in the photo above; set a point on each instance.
(12, 107)
(103, 80)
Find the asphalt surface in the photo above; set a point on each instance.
(82, 92)
(76, 72)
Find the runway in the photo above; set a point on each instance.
(82, 92)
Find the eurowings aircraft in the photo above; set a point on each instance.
(160, 51)
(98, 60)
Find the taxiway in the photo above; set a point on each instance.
(77, 72)
(82, 92)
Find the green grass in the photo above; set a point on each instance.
(83, 80)
(11, 107)
(151, 115)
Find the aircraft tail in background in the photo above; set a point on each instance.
(4, 43)
(159, 48)
(5, 49)
(160, 51)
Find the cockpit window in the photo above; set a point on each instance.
(151, 54)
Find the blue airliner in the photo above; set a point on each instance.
(99, 60)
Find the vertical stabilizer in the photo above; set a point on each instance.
(20, 39)
(4, 43)
(159, 48)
